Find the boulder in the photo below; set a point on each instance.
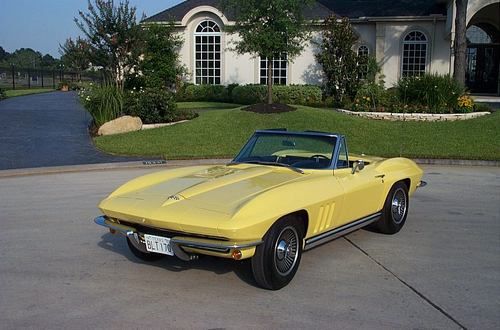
(120, 125)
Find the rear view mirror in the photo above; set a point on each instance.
(358, 166)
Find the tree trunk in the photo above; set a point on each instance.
(460, 43)
(269, 80)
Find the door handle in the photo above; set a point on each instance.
(380, 176)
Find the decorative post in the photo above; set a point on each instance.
(13, 77)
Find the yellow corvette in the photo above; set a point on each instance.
(285, 192)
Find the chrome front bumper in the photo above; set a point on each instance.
(178, 242)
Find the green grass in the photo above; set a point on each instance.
(206, 105)
(221, 133)
(22, 92)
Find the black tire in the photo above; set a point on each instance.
(277, 259)
(395, 210)
(145, 256)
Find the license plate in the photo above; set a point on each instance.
(158, 244)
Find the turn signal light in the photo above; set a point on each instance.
(236, 255)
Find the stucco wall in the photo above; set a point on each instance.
(384, 40)
(391, 35)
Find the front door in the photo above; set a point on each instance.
(482, 68)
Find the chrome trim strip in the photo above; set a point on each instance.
(341, 231)
(125, 230)
(213, 246)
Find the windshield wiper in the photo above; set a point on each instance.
(293, 168)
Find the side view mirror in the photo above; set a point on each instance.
(358, 166)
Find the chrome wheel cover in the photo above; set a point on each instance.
(286, 250)
(399, 205)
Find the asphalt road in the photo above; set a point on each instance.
(60, 270)
(48, 129)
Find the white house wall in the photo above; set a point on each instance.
(383, 38)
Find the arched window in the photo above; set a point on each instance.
(415, 45)
(363, 50)
(208, 53)
(363, 53)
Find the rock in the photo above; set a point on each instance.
(121, 125)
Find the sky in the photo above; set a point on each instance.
(44, 24)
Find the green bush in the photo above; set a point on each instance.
(291, 94)
(479, 107)
(155, 105)
(373, 96)
(104, 103)
(2, 94)
(209, 93)
(435, 92)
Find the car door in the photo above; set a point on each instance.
(363, 189)
(362, 193)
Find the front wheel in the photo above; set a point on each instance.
(395, 210)
(277, 259)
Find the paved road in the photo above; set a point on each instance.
(48, 129)
(59, 270)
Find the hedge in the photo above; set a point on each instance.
(209, 93)
(290, 94)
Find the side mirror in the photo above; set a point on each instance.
(358, 166)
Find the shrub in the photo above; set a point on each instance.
(155, 105)
(373, 96)
(438, 93)
(104, 103)
(209, 93)
(479, 107)
(2, 94)
(291, 94)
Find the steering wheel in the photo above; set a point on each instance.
(318, 156)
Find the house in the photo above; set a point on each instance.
(407, 37)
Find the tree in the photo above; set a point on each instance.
(3, 54)
(48, 61)
(159, 65)
(113, 36)
(460, 43)
(75, 54)
(25, 58)
(268, 28)
(337, 58)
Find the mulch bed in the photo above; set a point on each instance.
(269, 108)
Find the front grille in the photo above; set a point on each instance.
(166, 232)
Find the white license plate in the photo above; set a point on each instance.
(158, 244)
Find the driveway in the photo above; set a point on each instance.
(48, 129)
(60, 270)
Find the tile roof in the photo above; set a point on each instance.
(323, 8)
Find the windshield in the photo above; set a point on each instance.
(297, 150)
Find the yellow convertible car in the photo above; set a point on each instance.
(285, 192)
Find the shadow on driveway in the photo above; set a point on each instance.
(48, 129)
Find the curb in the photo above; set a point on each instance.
(194, 162)
(109, 166)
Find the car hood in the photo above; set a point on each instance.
(214, 191)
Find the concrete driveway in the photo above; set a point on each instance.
(60, 270)
(48, 129)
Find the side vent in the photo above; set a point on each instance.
(325, 217)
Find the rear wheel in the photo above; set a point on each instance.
(277, 259)
(145, 256)
(395, 210)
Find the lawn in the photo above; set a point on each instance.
(206, 105)
(22, 92)
(221, 133)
